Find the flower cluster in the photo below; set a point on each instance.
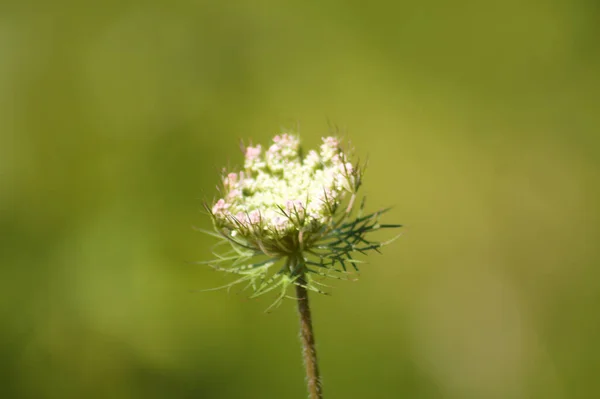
(287, 205)
(279, 193)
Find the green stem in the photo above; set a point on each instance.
(307, 336)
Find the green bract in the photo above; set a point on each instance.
(286, 217)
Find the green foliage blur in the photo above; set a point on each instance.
(481, 123)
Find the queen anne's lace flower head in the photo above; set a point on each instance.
(280, 193)
(286, 205)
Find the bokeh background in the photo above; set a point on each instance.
(481, 122)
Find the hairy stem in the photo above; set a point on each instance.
(307, 336)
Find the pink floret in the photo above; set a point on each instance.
(220, 207)
(253, 152)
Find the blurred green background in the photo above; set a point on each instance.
(481, 121)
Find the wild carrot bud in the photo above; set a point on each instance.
(287, 206)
